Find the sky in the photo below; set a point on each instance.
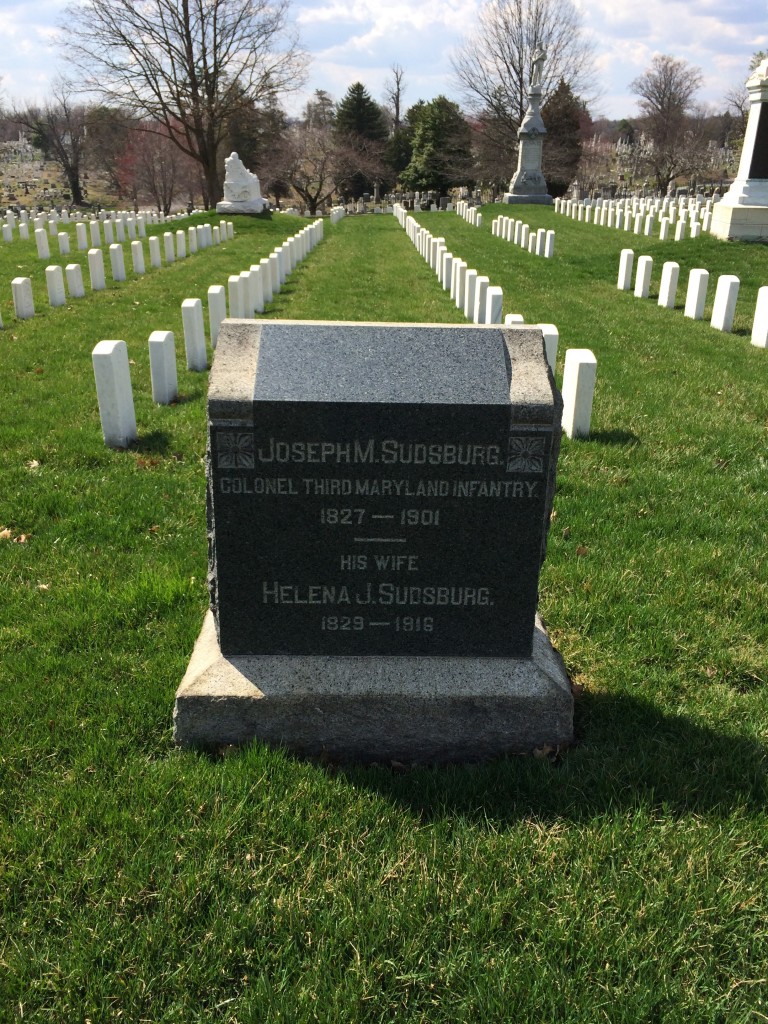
(361, 40)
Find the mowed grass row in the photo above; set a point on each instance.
(621, 881)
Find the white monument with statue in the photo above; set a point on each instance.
(528, 184)
(742, 213)
(242, 191)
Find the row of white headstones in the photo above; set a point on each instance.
(640, 215)
(197, 237)
(726, 293)
(118, 226)
(248, 292)
(483, 304)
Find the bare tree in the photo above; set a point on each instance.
(189, 65)
(151, 166)
(737, 97)
(493, 66)
(320, 163)
(58, 129)
(394, 88)
(669, 117)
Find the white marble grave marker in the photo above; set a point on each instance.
(235, 294)
(75, 281)
(724, 306)
(643, 277)
(41, 240)
(170, 251)
(670, 273)
(115, 396)
(162, 367)
(266, 279)
(760, 323)
(96, 270)
(470, 285)
(274, 264)
(578, 391)
(63, 240)
(54, 280)
(217, 310)
(23, 300)
(194, 334)
(494, 299)
(257, 288)
(154, 251)
(117, 262)
(137, 257)
(481, 291)
(551, 339)
(626, 261)
(245, 294)
(696, 296)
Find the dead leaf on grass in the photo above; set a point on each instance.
(581, 551)
(542, 752)
(5, 533)
(43, 586)
(32, 465)
(22, 538)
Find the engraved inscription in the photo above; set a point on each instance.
(395, 544)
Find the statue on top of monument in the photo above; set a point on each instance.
(539, 56)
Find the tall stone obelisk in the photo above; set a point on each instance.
(528, 184)
(742, 213)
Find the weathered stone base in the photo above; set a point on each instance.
(376, 709)
(741, 223)
(510, 197)
(249, 206)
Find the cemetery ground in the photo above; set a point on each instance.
(623, 879)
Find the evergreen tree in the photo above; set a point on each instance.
(562, 115)
(361, 126)
(358, 114)
(442, 154)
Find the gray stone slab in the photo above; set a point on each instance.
(425, 710)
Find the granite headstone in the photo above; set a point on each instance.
(378, 502)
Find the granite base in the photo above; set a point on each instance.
(371, 709)
(510, 197)
(252, 206)
(740, 223)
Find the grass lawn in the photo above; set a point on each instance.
(623, 880)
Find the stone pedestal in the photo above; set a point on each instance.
(742, 213)
(421, 709)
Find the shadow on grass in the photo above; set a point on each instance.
(156, 442)
(629, 756)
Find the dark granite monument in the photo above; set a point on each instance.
(378, 499)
